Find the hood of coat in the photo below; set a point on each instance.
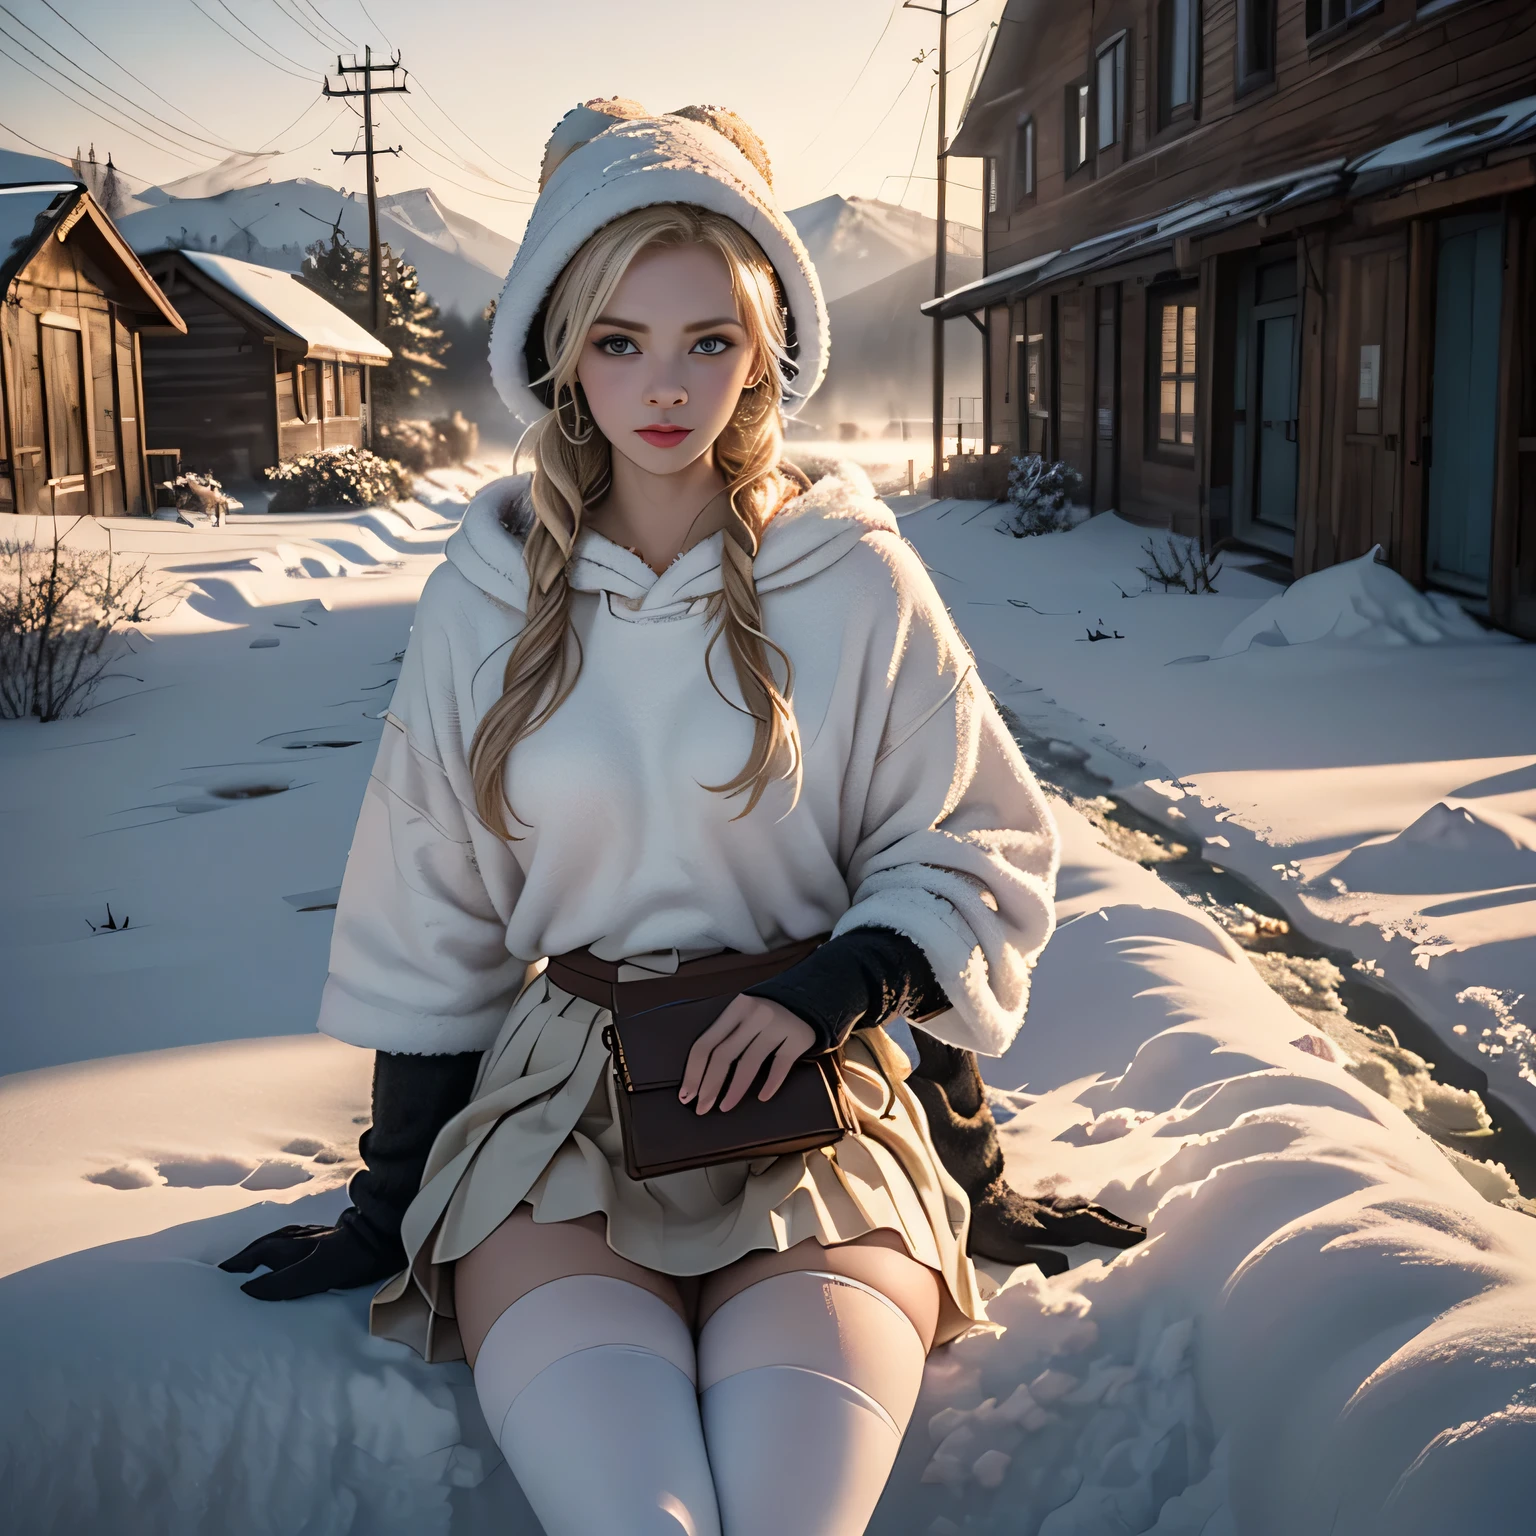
(805, 536)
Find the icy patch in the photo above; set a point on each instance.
(1359, 601)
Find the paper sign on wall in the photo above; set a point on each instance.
(1370, 374)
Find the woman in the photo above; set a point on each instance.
(664, 708)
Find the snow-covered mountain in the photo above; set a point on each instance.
(856, 241)
(462, 264)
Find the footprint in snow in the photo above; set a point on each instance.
(213, 1169)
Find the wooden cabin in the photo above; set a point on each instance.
(266, 370)
(1264, 271)
(76, 301)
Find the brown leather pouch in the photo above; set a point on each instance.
(655, 1024)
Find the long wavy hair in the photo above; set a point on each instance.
(572, 471)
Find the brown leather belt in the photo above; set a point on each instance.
(583, 975)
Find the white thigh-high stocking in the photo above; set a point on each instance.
(588, 1384)
(807, 1380)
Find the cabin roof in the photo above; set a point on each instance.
(32, 211)
(302, 320)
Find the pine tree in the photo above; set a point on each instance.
(409, 323)
(111, 191)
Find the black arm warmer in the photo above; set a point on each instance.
(862, 977)
(414, 1097)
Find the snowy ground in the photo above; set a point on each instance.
(1329, 1330)
(1362, 754)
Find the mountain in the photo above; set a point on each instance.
(462, 264)
(882, 349)
(17, 168)
(856, 241)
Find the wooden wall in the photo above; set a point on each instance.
(1387, 76)
(209, 393)
(82, 432)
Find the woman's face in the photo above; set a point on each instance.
(664, 365)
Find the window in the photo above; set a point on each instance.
(1178, 55)
(328, 389)
(991, 183)
(1111, 93)
(1077, 127)
(1024, 162)
(1173, 354)
(1329, 15)
(1255, 43)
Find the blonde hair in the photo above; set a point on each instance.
(572, 470)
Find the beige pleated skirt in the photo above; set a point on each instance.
(542, 1128)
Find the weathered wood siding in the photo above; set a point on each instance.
(71, 430)
(210, 392)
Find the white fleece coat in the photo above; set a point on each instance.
(917, 811)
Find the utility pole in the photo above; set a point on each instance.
(941, 249)
(368, 90)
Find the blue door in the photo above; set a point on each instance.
(1464, 420)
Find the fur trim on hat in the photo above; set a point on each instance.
(606, 159)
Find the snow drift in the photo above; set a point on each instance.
(1362, 601)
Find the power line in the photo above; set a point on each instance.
(329, 25)
(376, 27)
(522, 175)
(878, 126)
(308, 79)
(917, 147)
(130, 74)
(129, 109)
(287, 58)
(121, 128)
(302, 23)
(294, 124)
(526, 200)
(41, 148)
(451, 156)
(827, 121)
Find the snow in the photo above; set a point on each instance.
(19, 211)
(856, 241)
(1329, 1328)
(1360, 600)
(1284, 758)
(17, 167)
(283, 298)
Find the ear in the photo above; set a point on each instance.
(583, 124)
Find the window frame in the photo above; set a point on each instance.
(1077, 123)
(1322, 29)
(1177, 296)
(1247, 78)
(1119, 45)
(1171, 114)
(1026, 150)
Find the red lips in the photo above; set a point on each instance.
(664, 437)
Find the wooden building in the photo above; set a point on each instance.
(267, 369)
(1265, 272)
(76, 300)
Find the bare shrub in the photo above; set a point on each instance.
(64, 617)
(422, 445)
(1179, 564)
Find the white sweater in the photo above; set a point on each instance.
(917, 811)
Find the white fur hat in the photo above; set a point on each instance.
(607, 158)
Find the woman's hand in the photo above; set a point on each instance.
(749, 1031)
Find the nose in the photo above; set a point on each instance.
(665, 396)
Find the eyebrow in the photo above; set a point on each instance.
(688, 330)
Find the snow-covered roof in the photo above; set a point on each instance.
(1404, 159)
(327, 333)
(24, 220)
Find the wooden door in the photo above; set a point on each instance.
(1106, 372)
(64, 416)
(1370, 281)
(1464, 402)
(106, 453)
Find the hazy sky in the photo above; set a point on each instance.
(499, 75)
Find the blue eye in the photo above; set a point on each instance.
(618, 346)
(712, 346)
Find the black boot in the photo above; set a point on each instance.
(1005, 1225)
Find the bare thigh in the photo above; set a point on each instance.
(879, 1259)
(522, 1254)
